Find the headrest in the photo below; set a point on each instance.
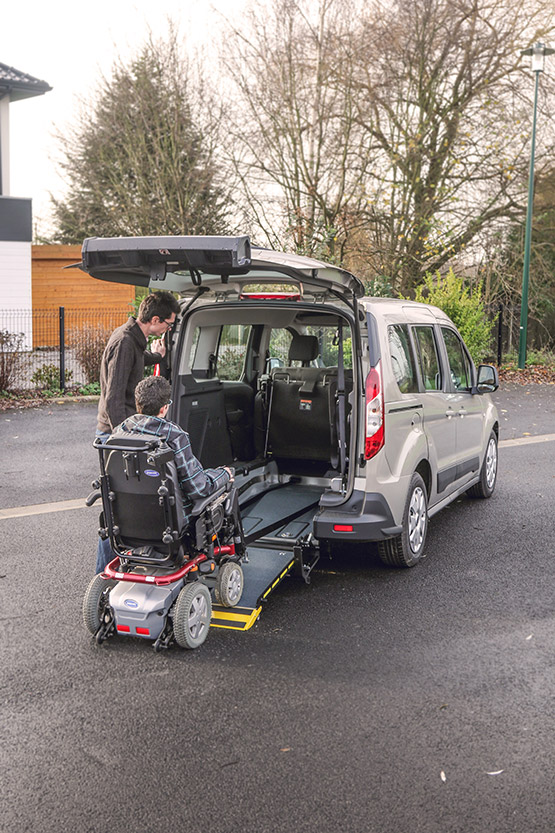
(303, 349)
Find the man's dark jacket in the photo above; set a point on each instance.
(123, 367)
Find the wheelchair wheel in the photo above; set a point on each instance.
(95, 601)
(229, 586)
(191, 618)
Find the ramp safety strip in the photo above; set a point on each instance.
(243, 618)
(278, 579)
(235, 619)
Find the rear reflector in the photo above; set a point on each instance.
(144, 631)
(342, 528)
(124, 628)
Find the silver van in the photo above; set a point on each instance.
(347, 418)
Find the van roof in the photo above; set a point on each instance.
(404, 306)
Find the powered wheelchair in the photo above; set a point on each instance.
(158, 587)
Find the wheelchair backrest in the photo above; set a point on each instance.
(143, 494)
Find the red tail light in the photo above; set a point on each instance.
(374, 413)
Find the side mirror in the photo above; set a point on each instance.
(487, 379)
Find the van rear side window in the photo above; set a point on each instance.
(428, 358)
(402, 358)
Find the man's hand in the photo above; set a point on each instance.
(228, 470)
(158, 346)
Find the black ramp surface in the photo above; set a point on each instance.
(273, 508)
(264, 567)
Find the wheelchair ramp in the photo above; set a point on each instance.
(274, 523)
(263, 572)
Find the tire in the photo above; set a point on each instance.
(191, 618)
(229, 586)
(95, 601)
(406, 549)
(485, 486)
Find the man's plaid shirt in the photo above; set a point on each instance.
(195, 481)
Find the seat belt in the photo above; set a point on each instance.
(341, 401)
(268, 415)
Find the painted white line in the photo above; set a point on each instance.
(540, 438)
(42, 508)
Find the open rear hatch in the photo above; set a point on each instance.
(185, 264)
(278, 523)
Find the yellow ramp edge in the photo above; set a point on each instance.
(237, 619)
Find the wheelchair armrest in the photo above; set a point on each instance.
(200, 505)
(93, 497)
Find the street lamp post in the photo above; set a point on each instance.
(538, 53)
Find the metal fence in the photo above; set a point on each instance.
(61, 348)
(506, 332)
(53, 349)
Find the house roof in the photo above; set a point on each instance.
(19, 84)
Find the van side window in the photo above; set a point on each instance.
(231, 351)
(427, 358)
(459, 363)
(280, 342)
(328, 340)
(402, 359)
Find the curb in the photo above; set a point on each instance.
(39, 403)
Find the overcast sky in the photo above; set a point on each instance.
(67, 43)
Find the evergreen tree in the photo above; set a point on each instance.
(142, 159)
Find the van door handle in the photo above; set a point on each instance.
(462, 412)
(449, 413)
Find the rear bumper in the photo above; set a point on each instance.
(363, 517)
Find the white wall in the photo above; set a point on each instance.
(16, 288)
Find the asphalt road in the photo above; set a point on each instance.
(373, 700)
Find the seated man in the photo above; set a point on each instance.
(152, 400)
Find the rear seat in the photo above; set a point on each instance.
(300, 406)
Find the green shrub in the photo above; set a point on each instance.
(91, 389)
(464, 308)
(10, 358)
(47, 377)
(540, 357)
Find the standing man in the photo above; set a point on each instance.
(123, 367)
(125, 356)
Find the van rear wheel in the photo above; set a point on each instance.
(406, 549)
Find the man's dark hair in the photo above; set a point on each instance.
(151, 394)
(161, 303)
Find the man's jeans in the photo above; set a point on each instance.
(104, 551)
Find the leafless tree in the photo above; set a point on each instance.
(384, 134)
(296, 145)
(443, 102)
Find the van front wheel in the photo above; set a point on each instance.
(406, 549)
